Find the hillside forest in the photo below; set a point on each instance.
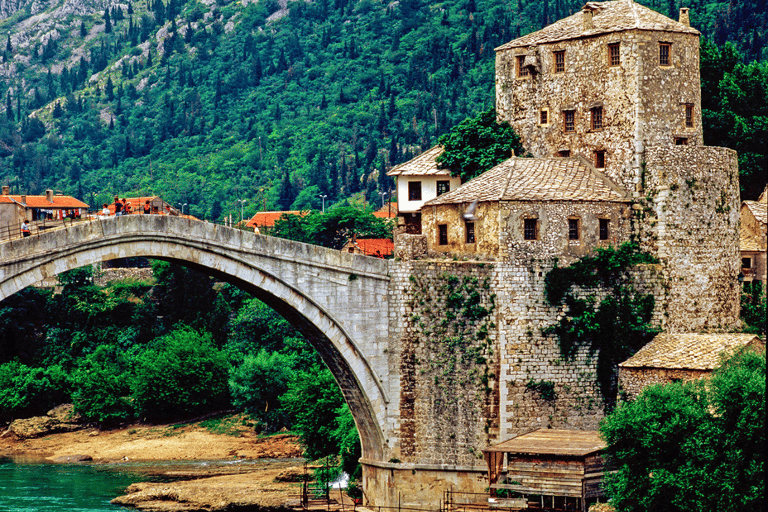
(210, 103)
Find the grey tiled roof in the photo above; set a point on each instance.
(616, 16)
(759, 210)
(537, 179)
(688, 351)
(422, 165)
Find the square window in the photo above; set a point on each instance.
(746, 262)
(689, 116)
(569, 121)
(522, 69)
(559, 61)
(664, 51)
(470, 231)
(414, 191)
(442, 234)
(597, 118)
(543, 117)
(614, 55)
(443, 187)
(565, 153)
(600, 159)
(530, 229)
(681, 141)
(604, 229)
(573, 229)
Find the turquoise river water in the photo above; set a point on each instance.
(36, 487)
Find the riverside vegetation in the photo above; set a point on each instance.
(164, 351)
(284, 103)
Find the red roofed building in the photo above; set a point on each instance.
(388, 211)
(16, 208)
(379, 247)
(265, 221)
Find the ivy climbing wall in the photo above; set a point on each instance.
(448, 362)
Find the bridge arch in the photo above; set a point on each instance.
(334, 299)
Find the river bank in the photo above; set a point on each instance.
(221, 464)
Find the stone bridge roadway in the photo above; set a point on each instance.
(338, 300)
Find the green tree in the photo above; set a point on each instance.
(334, 228)
(28, 391)
(311, 402)
(101, 387)
(691, 446)
(257, 384)
(477, 144)
(181, 374)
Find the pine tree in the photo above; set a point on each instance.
(9, 46)
(107, 22)
(9, 107)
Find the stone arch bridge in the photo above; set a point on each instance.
(350, 307)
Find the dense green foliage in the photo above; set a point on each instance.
(132, 350)
(206, 106)
(753, 310)
(692, 446)
(475, 145)
(734, 108)
(615, 327)
(334, 228)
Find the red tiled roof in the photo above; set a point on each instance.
(42, 201)
(267, 219)
(374, 246)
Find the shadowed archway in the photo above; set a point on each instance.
(337, 300)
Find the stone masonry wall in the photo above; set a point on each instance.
(689, 220)
(447, 361)
(458, 394)
(640, 100)
(632, 381)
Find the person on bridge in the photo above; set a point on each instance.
(118, 207)
(147, 208)
(24, 228)
(105, 209)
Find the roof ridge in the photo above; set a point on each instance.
(509, 177)
(605, 179)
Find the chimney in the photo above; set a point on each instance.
(24, 199)
(587, 20)
(684, 17)
(49, 195)
(6, 190)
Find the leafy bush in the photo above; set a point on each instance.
(257, 384)
(692, 446)
(753, 310)
(181, 374)
(312, 401)
(26, 391)
(101, 387)
(477, 144)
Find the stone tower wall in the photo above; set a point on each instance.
(640, 100)
(689, 219)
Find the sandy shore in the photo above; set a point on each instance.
(220, 487)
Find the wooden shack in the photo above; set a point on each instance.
(546, 470)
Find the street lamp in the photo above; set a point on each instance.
(242, 202)
(323, 196)
(383, 195)
(182, 207)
